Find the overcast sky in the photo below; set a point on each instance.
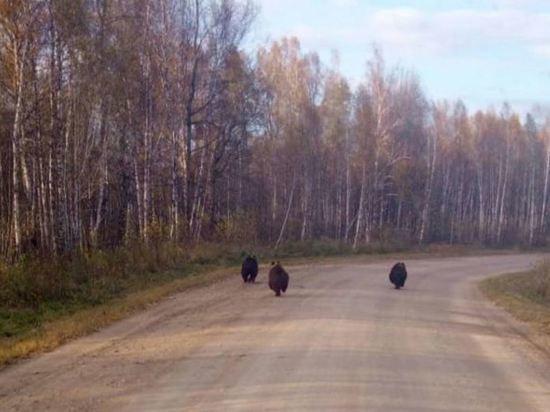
(481, 51)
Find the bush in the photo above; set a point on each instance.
(99, 275)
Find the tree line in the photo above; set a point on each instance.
(146, 120)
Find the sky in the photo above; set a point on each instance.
(484, 52)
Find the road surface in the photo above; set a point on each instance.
(340, 340)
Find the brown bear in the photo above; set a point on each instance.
(249, 270)
(398, 275)
(278, 279)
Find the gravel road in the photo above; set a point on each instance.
(340, 340)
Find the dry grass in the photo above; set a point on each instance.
(525, 295)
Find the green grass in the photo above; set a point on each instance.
(525, 295)
(48, 328)
(44, 303)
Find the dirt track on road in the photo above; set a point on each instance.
(341, 339)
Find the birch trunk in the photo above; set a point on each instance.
(501, 212)
(305, 211)
(16, 212)
(428, 192)
(287, 213)
(348, 197)
(545, 191)
(532, 211)
(174, 227)
(360, 210)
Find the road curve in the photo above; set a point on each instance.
(340, 340)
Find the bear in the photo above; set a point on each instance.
(278, 279)
(249, 270)
(398, 275)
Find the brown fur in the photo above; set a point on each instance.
(398, 275)
(249, 270)
(278, 279)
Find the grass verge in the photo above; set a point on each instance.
(525, 295)
(44, 304)
(58, 327)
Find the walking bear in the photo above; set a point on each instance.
(249, 270)
(278, 279)
(398, 275)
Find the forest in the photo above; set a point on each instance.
(149, 121)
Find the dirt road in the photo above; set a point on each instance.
(342, 339)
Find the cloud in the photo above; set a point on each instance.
(542, 50)
(519, 3)
(461, 30)
(344, 3)
(482, 51)
(414, 32)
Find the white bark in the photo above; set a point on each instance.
(432, 157)
(545, 191)
(287, 213)
(360, 211)
(18, 63)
